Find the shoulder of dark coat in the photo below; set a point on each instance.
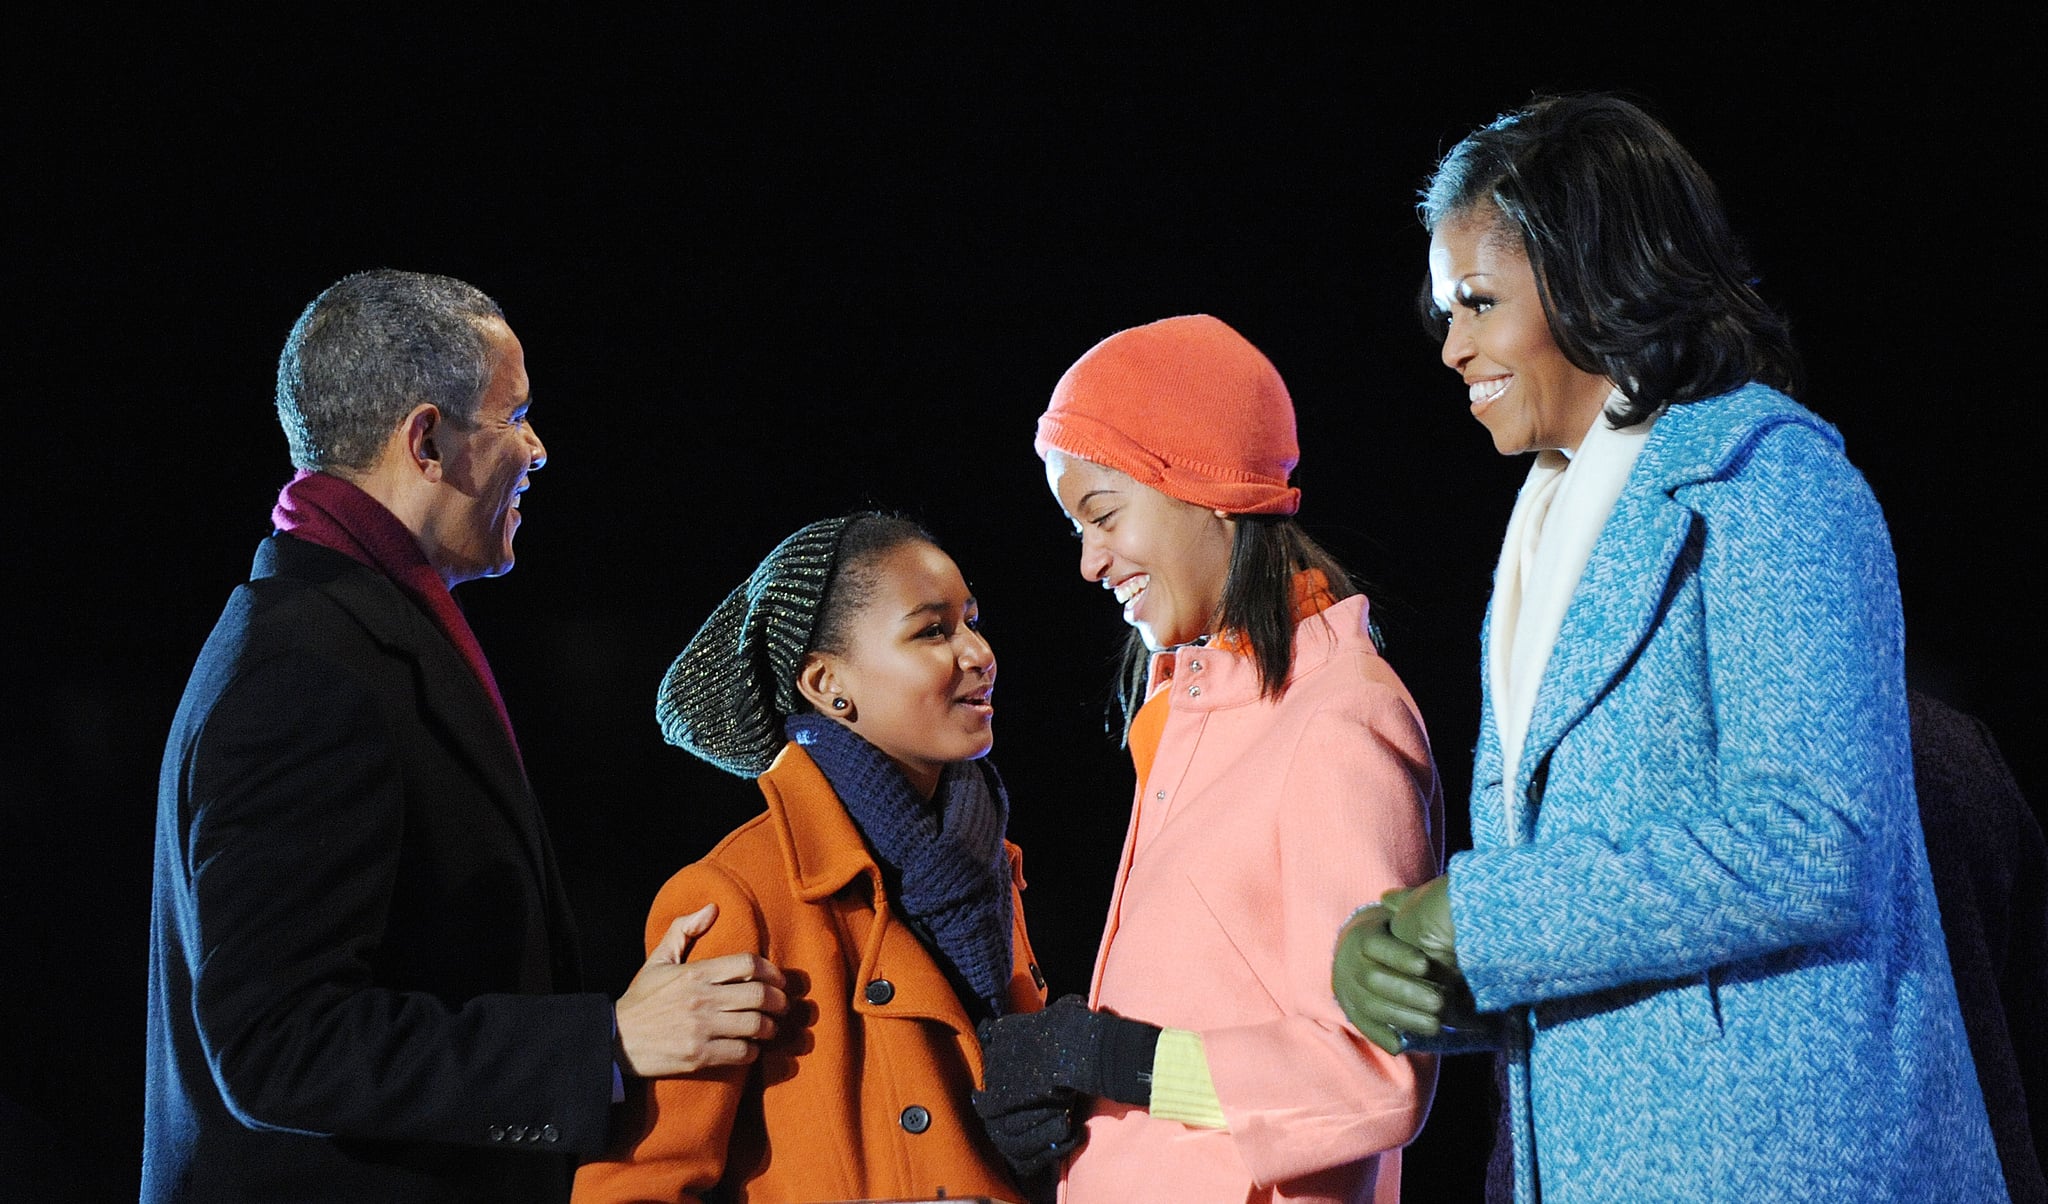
(317, 593)
(1960, 774)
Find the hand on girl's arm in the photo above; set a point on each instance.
(678, 1016)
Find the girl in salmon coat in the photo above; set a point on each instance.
(848, 675)
(1281, 768)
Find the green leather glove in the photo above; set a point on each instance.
(1422, 920)
(1381, 981)
(1396, 975)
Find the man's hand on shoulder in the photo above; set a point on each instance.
(678, 1017)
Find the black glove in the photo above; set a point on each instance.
(1033, 1140)
(1065, 1050)
(1039, 1069)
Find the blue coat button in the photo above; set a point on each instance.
(881, 991)
(916, 1119)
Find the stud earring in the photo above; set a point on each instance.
(839, 704)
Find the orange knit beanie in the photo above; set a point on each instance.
(1185, 406)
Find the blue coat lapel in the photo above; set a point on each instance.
(1621, 594)
(1616, 605)
(1612, 612)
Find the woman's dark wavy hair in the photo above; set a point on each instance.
(1642, 280)
(1258, 602)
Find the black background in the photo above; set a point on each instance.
(771, 264)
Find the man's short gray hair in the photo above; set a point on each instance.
(369, 349)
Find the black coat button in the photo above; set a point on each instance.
(916, 1119)
(1037, 976)
(881, 991)
(550, 1133)
(497, 1132)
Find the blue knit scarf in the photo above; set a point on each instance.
(948, 853)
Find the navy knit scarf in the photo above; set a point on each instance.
(954, 871)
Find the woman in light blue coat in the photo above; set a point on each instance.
(1697, 917)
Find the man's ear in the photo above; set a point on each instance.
(820, 679)
(421, 427)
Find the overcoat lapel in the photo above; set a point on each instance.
(449, 691)
(1621, 594)
(1612, 612)
(824, 852)
(454, 696)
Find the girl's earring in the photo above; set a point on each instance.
(839, 704)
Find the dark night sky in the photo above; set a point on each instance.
(771, 267)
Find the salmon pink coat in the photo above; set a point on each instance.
(1263, 824)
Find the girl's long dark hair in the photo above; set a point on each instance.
(1258, 603)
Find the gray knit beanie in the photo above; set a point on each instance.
(724, 699)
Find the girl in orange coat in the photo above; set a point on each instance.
(847, 674)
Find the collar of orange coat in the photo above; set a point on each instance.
(1311, 597)
(824, 849)
(824, 852)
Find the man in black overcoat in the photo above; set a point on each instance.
(363, 974)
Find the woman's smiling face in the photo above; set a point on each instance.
(1165, 560)
(1519, 383)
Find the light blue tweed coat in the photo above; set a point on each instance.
(1709, 911)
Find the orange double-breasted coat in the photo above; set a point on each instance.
(863, 1093)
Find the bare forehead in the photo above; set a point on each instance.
(919, 571)
(508, 384)
(1482, 231)
(1073, 478)
(1481, 243)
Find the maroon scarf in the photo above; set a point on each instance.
(336, 515)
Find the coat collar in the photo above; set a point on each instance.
(824, 853)
(449, 690)
(1208, 678)
(1619, 596)
(819, 840)
(823, 848)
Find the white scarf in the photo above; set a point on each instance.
(1557, 518)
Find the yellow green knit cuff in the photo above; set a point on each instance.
(1181, 1089)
